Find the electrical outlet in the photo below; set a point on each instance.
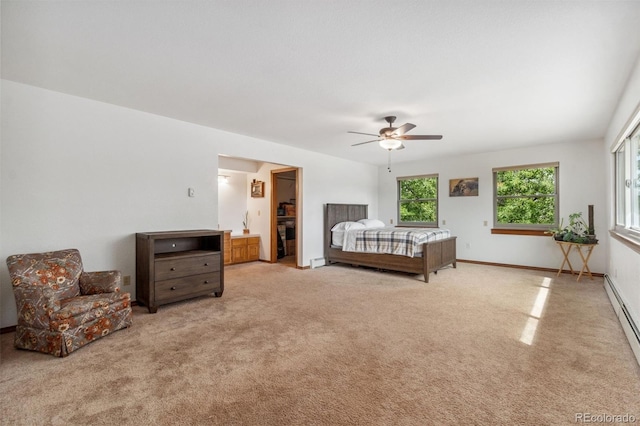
(444, 222)
(468, 246)
(486, 223)
(391, 221)
(126, 280)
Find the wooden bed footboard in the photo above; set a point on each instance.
(438, 254)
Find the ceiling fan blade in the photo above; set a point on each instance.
(403, 129)
(419, 137)
(360, 133)
(400, 147)
(362, 143)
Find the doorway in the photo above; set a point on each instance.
(285, 236)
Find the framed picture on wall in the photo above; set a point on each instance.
(463, 187)
(257, 189)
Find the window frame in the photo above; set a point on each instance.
(620, 177)
(626, 213)
(526, 228)
(400, 223)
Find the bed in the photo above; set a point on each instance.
(435, 254)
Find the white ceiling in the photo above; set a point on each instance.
(487, 75)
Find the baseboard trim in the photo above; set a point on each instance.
(10, 329)
(626, 320)
(533, 268)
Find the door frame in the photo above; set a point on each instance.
(274, 213)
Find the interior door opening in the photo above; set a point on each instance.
(285, 213)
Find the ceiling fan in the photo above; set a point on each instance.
(390, 138)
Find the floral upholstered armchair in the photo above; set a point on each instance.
(62, 308)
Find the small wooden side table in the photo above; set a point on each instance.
(566, 246)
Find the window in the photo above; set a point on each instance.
(418, 201)
(627, 181)
(526, 197)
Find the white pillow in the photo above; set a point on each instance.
(372, 223)
(337, 238)
(345, 226)
(339, 230)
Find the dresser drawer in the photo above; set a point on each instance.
(185, 287)
(175, 267)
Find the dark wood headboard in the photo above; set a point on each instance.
(336, 213)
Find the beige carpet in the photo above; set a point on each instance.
(341, 345)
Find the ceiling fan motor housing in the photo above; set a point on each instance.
(387, 131)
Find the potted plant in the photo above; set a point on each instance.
(577, 229)
(559, 232)
(576, 232)
(245, 223)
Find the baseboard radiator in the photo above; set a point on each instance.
(316, 263)
(626, 320)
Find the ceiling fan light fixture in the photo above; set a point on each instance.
(390, 143)
(391, 138)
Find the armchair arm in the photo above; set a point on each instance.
(100, 282)
(35, 304)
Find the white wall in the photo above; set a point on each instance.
(84, 174)
(232, 202)
(582, 182)
(624, 263)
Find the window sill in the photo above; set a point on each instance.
(527, 232)
(628, 240)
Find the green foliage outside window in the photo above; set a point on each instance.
(526, 196)
(418, 201)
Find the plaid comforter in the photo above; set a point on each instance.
(401, 241)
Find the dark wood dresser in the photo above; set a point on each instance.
(178, 265)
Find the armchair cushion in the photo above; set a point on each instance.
(81, 310)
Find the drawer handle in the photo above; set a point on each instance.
(206, 264)
(173, 288)
(172, 269)
(206, 282)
